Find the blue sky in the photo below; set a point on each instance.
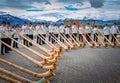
(61, 9)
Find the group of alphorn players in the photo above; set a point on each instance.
(67, 37)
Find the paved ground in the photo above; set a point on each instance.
(83, 65)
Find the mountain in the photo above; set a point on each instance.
(13, 19)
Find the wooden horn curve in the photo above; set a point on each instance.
(34, 52)
(49, 73)
(38, 46)
(19, 78)
(38, 63)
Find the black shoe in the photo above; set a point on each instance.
(7, 52)
(2, 53)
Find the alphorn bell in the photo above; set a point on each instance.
(19, 78)
(33, 51)
(52, 54)
(107, 39)
(47, 74)
(38, 63)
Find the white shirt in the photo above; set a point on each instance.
(114, 29)
(31, 29)
(106, 30)
(55, 28)
(61, 29)
(95, 30)
(67, 30)
(15, 35)
(88, 29)
(51, 28)
(81, 30)
(4, 29)
(25, 29)
(74, 29)
(43, 31)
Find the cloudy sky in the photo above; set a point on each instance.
(60, 9)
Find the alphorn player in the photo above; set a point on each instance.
(74, 30)
(61, 30)
(37, 28)
(25, 32)
(4, 29)
(114, 30)
(81, 32)
(67, 31)
(88, 31)
(43, 32)
(9, 27)
(15, 36)
(106, 31)
(55, 28)
(30, 32)
(95, 33)
(51, 28)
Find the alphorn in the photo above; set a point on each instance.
(48, 43)
(38, 63)
(113, 45)
(57, 40)
(8, 79)
(95, 44)
(52, 54)
(47, 74)
(115, 39)
(19, 78)
(76, 43)
(33, 51)
(70, 45)
(91, 45)
(77, 40)
(104, 45)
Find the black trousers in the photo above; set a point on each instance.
(25, 42)
(107, 36)
(80, 37)
(61, 39)
(42, 39)
(113, 38)
(9, 42)
(15, 45)
(50, 38)
(74, 35)
(95, 37)
(3, 46)
(31, 37)
(56, 36)
(88, 36)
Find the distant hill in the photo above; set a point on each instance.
(13, 19)
(18, 20)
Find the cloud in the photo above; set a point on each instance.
(97, 3)
(61, 9)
